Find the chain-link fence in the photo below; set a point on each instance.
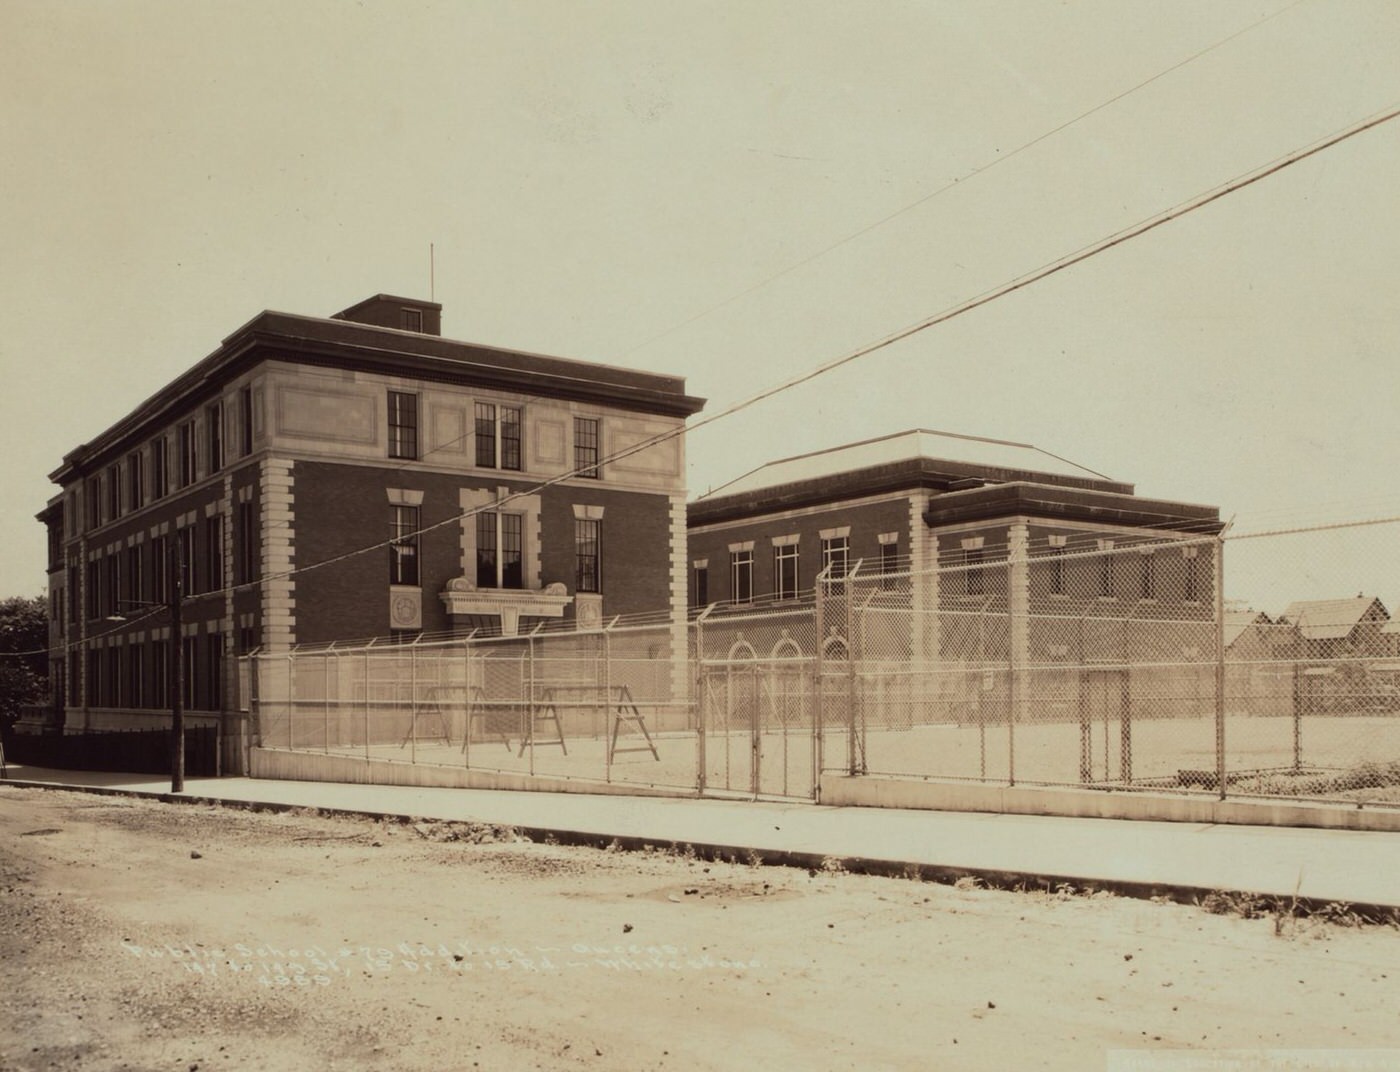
(1055, 660)
(607, 705)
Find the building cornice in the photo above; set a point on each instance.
(1043, 502)
(908, 475)
(347, 345)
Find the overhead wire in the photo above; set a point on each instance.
(981, 169)
(962, 308)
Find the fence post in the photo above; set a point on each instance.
(413, 701)
(852, 682)
(698, 712)
(530, 696)
(608, 730)
(1220, 664)
(1125, 703)
(1297, 713)
(367, 703)
(818, 681)
(467, 700)
(326, 702)
(291, 697)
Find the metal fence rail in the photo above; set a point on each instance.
(1070, 662)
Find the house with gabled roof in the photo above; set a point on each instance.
(1247, 635)
(1338, 628)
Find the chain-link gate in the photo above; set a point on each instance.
(757, 705)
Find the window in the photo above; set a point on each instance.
(889, 560)
(486, 435)
(499, 557)
(245, 421)
(74, 575)
(111, 678)
(741, 575)
(214, 432)
(91, 659)
(1057, 566)
(247, 563)
(112, 594)
(403, 425)
(214, 553)
(135, 481)
(214, 671)
(702, 585)
(186, 454)
(92, 590)
(973, 557)
(160, 569)
(55, 548)
(1105, 569)
(114, 492)
(1149, 575)
(497, 441)
(189, 651)
(160, 469)
(836, 552)
(403, 546)
(413, 319)
(92, 502)
(510, 437)
(134, 588)
(785, 568)
(184, 542)
(586, 447)
(587, 554)
(135, 676)
(889, 557)
(160, 673)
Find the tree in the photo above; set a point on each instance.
(24, 660)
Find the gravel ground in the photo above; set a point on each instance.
(141, 935)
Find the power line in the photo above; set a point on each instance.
(1001, 158)
(969, 305)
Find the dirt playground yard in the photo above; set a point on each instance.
(139, 935)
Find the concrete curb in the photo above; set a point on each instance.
(998, 879)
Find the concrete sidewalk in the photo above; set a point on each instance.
(1183, 860)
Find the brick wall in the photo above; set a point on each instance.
(867, 522)
(341, 508)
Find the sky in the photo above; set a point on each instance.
(698, 189)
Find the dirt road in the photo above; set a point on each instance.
(138, 935)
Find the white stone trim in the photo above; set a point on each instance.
(404, 497)
(836, 533)
(278, 548)
(587, 513)
(790, 540)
